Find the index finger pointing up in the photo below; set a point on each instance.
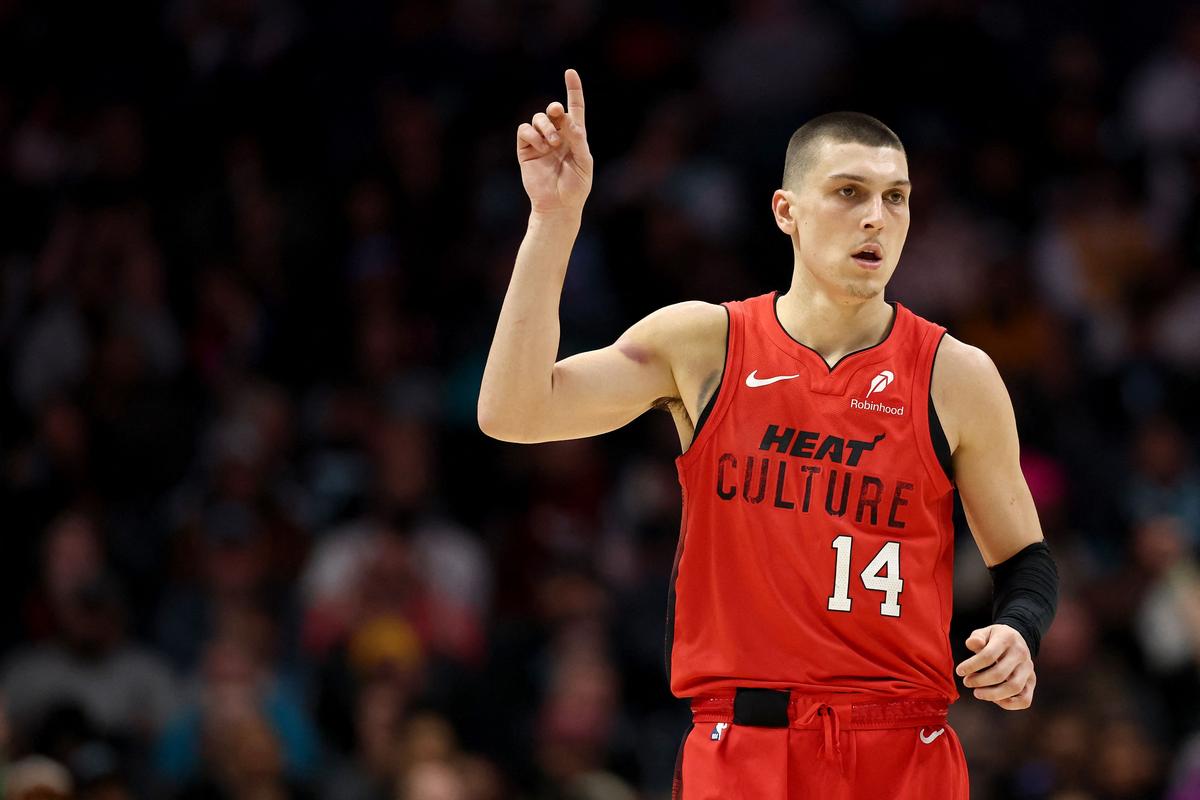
(574, 96)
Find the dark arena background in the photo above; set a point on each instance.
(253, 542)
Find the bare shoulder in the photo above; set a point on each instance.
(967, 389)
(689, 317)
(679, 332)
(961, 363)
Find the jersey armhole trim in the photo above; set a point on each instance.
(941, 445)
(710, 417)
(923, 422)
(712, 401)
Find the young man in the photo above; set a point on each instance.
(824, 431)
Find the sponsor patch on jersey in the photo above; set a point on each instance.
(879, 384)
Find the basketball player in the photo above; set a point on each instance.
(823, 433)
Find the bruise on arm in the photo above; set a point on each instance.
(639, 354)
(642, 355)
(635, 353)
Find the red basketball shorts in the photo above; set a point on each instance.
(776, 746)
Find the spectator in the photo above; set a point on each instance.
(122, 687)
(1165, 482)
(238, 702)
(37, 778)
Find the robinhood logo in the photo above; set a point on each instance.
(881, 381)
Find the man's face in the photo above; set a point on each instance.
(853, 199)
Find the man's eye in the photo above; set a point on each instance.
(897, 197)
(847, 191)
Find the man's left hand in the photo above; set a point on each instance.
(1001, 671)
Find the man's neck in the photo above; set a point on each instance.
(832, 328)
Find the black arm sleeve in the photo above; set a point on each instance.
(1025, 593)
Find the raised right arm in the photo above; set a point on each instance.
(526, 396)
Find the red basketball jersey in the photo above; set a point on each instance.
(817, 542)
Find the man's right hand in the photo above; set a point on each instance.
(556, 165)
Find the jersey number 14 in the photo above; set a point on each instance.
(891, 584)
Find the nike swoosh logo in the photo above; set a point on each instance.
(929, 739)
(753, 381)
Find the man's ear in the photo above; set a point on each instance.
(781, 207)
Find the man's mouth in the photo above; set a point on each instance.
(869, 256)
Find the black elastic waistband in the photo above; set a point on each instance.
(763, 708)
(773, 708)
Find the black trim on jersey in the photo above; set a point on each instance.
(712, 401)
(669, 638)
(937, 433)
(886, 336)
(677, 780)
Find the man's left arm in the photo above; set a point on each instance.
(977, 415)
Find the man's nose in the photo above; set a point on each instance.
(873, 218)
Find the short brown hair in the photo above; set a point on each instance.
(846, 127)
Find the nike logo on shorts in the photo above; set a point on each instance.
(753, 381)
(929, 739)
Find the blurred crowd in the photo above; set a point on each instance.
(255, 545)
